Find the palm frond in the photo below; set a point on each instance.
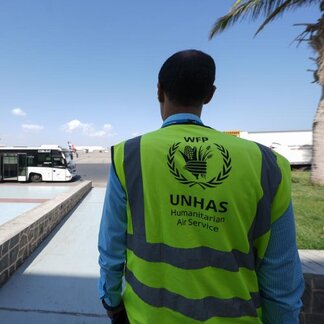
(275, 14)
(271, 5)
(238, 11)
(253, 9)
(281, 9)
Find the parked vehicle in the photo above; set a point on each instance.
(297, 155)
(36, 164)
(295, 146)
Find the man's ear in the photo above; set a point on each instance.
(210, 95)
(160, 93)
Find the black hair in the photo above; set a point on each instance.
(187, 77)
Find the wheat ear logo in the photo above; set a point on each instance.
(195, 161)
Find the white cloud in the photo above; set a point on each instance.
(18, 112)
(32, 127)
(88, 129)
(107, 127)
(75, 125)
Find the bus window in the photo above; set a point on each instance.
(58, 162)
(68, 157)
(10, 166)
(31, 160)
(10, 159)
(44, 159)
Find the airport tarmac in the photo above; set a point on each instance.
(93, 166)
(96, 157)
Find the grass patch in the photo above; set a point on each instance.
(308, 201)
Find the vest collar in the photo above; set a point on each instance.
(182, 118)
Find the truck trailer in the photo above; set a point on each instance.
(295, 146)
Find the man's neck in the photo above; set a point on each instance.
(172, 109)
(182, 118)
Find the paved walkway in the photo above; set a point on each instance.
(58, 282)
(312, 261)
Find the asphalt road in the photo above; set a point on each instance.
(96, 172)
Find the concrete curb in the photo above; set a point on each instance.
(20, 236)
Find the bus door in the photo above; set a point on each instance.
(22, 167)
(10, 167)
(1, 167)
(59, 168)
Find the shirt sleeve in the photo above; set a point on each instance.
(280, 274)
(112, 242)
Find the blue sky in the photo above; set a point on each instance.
(86, 71)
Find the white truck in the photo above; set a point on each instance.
(295, 146)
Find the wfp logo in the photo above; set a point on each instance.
(195, 160)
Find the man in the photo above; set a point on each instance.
(199, 222)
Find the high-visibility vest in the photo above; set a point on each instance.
(200, 204)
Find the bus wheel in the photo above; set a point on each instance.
(35, 177)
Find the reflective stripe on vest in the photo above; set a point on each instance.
(270, 180)
(194, 308)
(198, 257)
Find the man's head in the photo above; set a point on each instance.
(187, 79)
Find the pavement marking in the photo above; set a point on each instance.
(23, 200)
(50, 312)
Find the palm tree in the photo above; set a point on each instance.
(313, 34)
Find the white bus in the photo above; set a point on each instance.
(36, 164)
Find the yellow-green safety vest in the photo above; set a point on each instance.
(200, 204)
